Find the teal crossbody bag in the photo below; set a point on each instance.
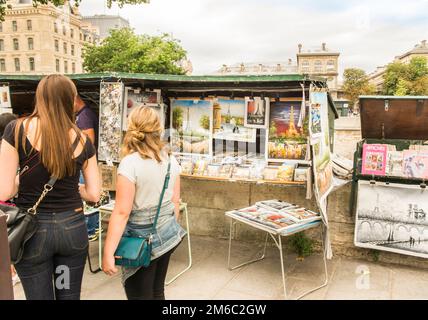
(137, 251)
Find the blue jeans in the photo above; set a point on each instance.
(92, 222)
(54, 258)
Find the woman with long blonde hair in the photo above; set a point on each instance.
(48, 146)
(140, 183)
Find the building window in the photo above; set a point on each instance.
(32, 64)
(57, 65)
(14, 26)
(64, 31)
(56, 45)
(73, 67)
(65, 66)
(1, 45)
(56, 27)
(29, 25)
(65, 47)
(15, 44)
(330, 65)
(2, 65)
(17, 65)
(318, 66)
(72, 33)
(30, 44)
(72, 49)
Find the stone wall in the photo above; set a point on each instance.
(209, 200)
(347, 134)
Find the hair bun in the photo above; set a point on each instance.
(136, 134)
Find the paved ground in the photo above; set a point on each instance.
(209, 277)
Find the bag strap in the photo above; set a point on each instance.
(165, 186)
(50, 184)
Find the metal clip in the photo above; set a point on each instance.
(386, 105)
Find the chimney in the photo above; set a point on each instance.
(300, 48)
(323, 46)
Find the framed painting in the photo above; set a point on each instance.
(287, 137)
(229, 121)
(191, 127)
(256, 113)
(392, 217)
(135, 98)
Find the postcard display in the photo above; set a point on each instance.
(389, 194)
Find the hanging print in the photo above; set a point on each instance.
(256, 112)
(192, 122)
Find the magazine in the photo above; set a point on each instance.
(291, 211)
(302, 214)
(394, 165)
(415, 164)
(268, 218)
(374, 159)
(274, 204)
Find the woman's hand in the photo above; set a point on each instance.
(109, 266)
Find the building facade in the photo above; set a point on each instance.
(105, 23)
(320, 62)
(419, 50)
(255, 68)
(42, 40)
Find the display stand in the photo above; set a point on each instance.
(277, 238)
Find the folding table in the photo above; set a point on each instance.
(277, 238)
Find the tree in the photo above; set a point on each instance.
(204, 122)
(356, 83)
(124, 51)
(57, 3)
(402, 79)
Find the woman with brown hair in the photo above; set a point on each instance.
(46, 145)
(140, 183)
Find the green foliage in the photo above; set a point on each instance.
(57, 3)
(302, 245)
(204, 122)
(402, 79)
(355, 84)
(124, 51)
(177, 118)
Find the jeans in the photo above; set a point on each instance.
(149, 283)
(92, 221)
(54, 258)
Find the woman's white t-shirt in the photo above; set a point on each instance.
(148, 176)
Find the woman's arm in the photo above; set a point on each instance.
(176, 197)
(125, 193)
(91, 190)
(9, 163)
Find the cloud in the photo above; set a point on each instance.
(215, 32)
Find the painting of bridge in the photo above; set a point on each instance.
(392, 217)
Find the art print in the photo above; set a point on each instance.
(108, 177)
(191, 122)
(257, 112)
(5, 97)
(374, 159)
(110, 131)
(415, 164)
(286, 139)
(229, 121)
(135, 98)
(392, 218)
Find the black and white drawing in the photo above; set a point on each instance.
(256, 112)
(392, 218)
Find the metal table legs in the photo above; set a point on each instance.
(183, 207)
(278, 243)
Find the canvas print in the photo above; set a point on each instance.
(415, 164)
(191, 122)
(323, 171)
(286, 140)
(110, 132)
(5, 97)
(394, 164)
(393, 218)
(229, 121)
(135, 98)
(315, 116)
(256, 112)
(374, 159)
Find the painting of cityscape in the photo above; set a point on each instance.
(392, 218)
(287, 138)
(229, 121)
(192, 123)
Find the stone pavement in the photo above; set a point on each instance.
(209, 277)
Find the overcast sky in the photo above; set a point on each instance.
(367, 33)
